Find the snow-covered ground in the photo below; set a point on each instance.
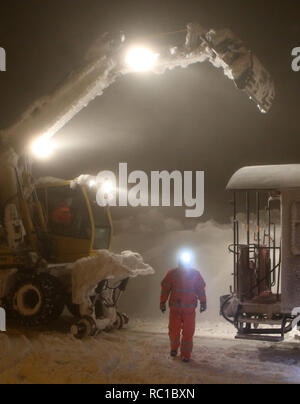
(139, 354)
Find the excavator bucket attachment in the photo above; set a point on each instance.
(225, 50)
(243, 67)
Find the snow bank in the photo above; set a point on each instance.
(88, 272)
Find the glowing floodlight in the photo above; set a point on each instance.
(141, 59)
(43, 147)
(92, 183)
(107, 187)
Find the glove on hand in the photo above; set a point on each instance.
(163, 307)
(203, 307)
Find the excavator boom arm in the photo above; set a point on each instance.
(105, 63)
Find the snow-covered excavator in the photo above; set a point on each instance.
(48, 224)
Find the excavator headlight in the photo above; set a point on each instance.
(107, 187)
(43, 147)
(141, 59)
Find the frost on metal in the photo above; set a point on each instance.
(48, 180)
(82, 180)
(105, 63)
(51, 113)
(88, 272)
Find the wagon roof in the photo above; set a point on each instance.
(272, 177)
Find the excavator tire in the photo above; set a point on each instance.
(36, 300)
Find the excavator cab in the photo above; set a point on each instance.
(76, 225)
(265, 299)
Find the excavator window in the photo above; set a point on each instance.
(68, 215)
(67, 212)
(102, 227)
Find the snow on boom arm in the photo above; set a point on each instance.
(106, 62)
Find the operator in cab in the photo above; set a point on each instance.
(62, 215)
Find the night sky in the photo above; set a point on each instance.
(187, 119)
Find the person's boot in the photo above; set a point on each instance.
(185, 360)
(173, 353)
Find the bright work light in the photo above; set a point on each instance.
(43, 147)
(107, 187)
(92, 183)
(186, 257)
(141, 59)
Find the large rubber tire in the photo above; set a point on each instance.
(36, 300)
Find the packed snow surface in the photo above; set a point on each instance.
(140, 354)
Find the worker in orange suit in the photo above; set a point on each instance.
(183, 287)
(62, 215)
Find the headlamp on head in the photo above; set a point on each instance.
(185, 259)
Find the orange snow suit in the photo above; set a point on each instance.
(62, 215)
(183, 288)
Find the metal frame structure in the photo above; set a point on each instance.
(254, 311)
(264, 303)
(257, 244)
